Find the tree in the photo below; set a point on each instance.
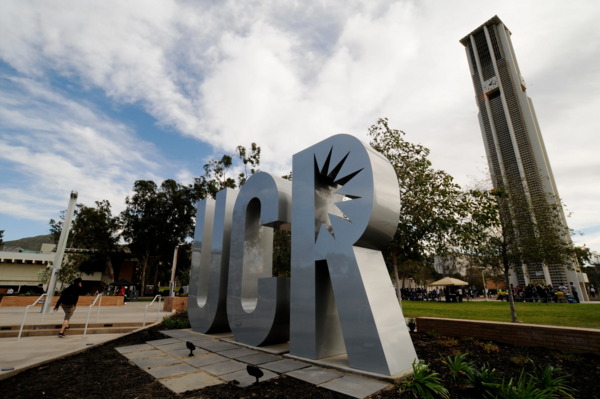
(96, 229)
(510, 237)
(56, 227)
(1, 237)
(249, 158)
(215, 176)
(156, 219)
(433, 206)
(66, 274)
(583, 255)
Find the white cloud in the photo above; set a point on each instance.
(288, 74)
(55, 145)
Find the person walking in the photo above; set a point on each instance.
(68, 301)
(574, 292)
(593, 292)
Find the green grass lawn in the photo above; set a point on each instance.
(554, 314)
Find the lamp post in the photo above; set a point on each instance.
(483, 279)
(60, 252)
(172, 282)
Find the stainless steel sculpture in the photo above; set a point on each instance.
(210, 264)
(257, 303)
(345, 210)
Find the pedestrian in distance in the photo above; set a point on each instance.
(68, 301)
(574, 292)
(593, 292)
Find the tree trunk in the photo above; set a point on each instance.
(145, 265)
(156, 273)
(110, 271)
(398, 291)
(513, 311)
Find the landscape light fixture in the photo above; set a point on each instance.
(254, 372)
(484, 284)
(191, 347)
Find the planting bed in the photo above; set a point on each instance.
(102, 372)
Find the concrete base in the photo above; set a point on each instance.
(278, 349)
(340, 362)
(355, 387)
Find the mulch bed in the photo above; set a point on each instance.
(102, 372)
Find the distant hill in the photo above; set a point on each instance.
(30, 243)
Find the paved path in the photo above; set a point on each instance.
(132, 312)
(217, 362)
(31, 351)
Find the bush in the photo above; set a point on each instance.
(459, 368)
(432, 334)
(520, 360)
(176, 322)
(484, 381)
(424, 383)
(557, 385)
(489, 347)
(447, 342)
(523, 389)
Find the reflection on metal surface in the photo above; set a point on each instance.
(210, 264)
(258, 304)
(345, 210)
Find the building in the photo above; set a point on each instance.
(512, 138)
(18, 269)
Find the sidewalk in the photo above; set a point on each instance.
(31, 351)
(132, 312)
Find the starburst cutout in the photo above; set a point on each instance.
(327, 184)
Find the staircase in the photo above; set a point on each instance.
(44, 330)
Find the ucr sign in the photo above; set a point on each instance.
(343, 207)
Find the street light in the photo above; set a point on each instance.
(483, 279)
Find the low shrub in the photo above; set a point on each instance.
(447, 342)
(567, 356)
(489, 347)
(485, 381)
(520, 360)
(545, 379)
(459, 368)
(424, 383)
(524, 388)
(175, 323)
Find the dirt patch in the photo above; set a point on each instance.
(102, 372)
(507, 359)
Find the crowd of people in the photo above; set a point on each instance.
(522, 293)
(450, 294)
(548, 293)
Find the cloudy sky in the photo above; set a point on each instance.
(97, 94)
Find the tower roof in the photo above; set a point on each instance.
(492, 21)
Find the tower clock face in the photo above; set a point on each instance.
(490, 85)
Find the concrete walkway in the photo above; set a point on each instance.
(132, 312)
(31, 351)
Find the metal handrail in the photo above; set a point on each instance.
(90, 310)
(157, 310)
(39, 300)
